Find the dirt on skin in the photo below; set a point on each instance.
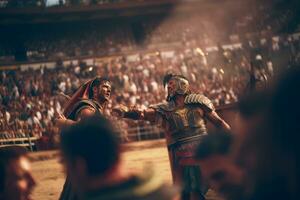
(50, 178)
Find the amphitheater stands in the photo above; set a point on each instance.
(40, 62)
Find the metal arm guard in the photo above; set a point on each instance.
(199, 99)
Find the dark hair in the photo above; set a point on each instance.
(285, 110)
(168, 77)
(7, 154)
(275, 142)
(95, 141)
(95, 83)
(217, 143)
(254, 103)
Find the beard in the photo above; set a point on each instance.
(171, 96)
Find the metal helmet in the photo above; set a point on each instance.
(182, 86)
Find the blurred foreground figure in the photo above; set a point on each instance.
(217, 166)
(268, 148)
(183, 117)
(89, 99)
(16, 181)
(91, 155)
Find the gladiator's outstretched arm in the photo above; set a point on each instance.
(148, 114)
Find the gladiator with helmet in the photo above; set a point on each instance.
(183, 117)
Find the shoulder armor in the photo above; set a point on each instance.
(163, 107)
(85, 103)
(199, 99)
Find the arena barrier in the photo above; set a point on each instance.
(138, 132)
(28, 142)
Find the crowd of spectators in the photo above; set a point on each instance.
(56, 3)
(92, 39)
(51, 3)
(58, 41)
(30, 99)
(217, 67)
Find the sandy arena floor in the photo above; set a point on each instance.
(50, 178)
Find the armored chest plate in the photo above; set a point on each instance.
(186, 121)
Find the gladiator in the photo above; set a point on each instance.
(91, 98)
(183, 118)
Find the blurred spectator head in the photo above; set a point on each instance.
(16, 181)
(249, 142)
(217, 167)
(281, 170)
(90, 150)
(267, 147)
